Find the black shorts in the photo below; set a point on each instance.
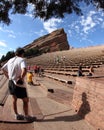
(17, 91)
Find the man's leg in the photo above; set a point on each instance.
(25, 105)
(17, 115)
(15, 104)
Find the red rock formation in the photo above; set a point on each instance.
(55, 41)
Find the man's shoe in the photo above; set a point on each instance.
(19, 117)
(30, 118)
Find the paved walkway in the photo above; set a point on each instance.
(51, 114)
(56, 116)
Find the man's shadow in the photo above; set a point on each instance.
(83, 110)
(85, 106)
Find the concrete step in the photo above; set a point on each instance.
(57, 91)
(61, 78)
(48, 83)
(53, 115)
(8, 115)
(61, 96)
(57, 116)
(7, 118)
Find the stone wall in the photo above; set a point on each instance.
(88, 100)
(55, 41)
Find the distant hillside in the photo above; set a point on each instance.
(55, 41)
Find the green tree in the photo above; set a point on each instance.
(44, 9)
(8, 55)
(2, 59)
(32, 52)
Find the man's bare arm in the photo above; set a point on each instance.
(24, 71)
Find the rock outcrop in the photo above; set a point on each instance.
(55, 41)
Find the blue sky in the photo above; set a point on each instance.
(82, 31)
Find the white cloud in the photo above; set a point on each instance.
(77, 28)
(40, 33)
(92, 19)
(11, 35)
(3, 44)
(70, 33)
(51, 24)
(102, 25)
(6, 30)
(30, 10)
(87, 23)
(29, 15)
(1, 29)
(82, 28)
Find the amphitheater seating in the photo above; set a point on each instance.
(69, 61)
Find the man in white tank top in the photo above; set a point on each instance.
(15, 71)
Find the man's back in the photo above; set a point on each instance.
(15, 67)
